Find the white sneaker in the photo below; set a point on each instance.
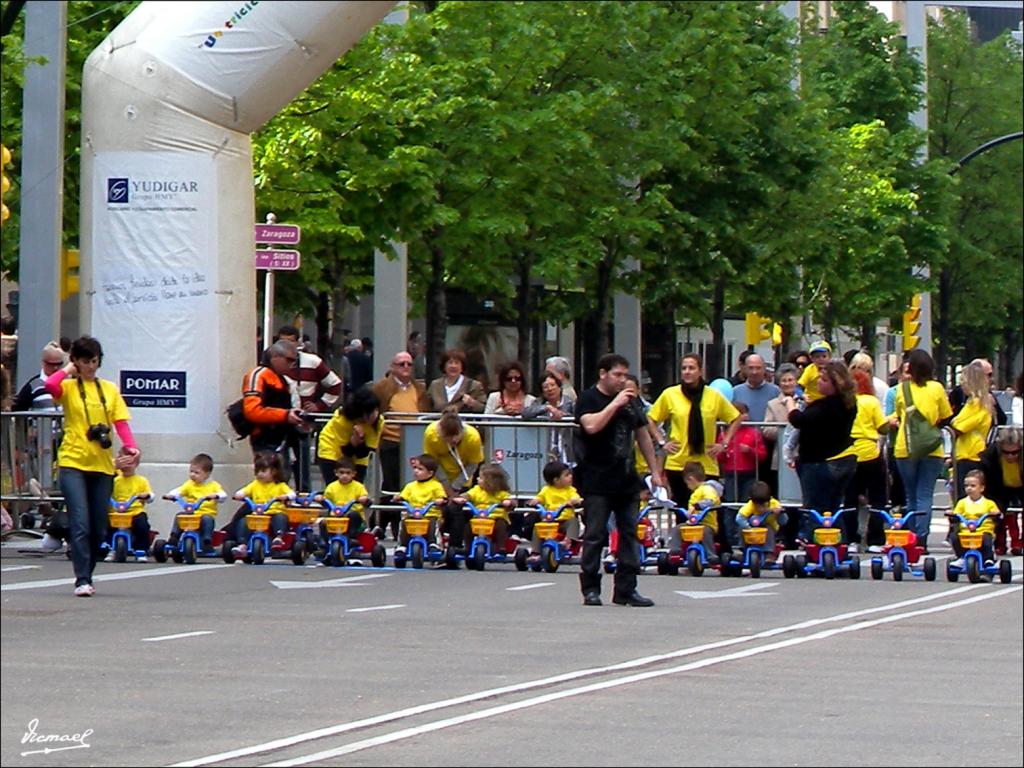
(874, 549)
(853, 549)
(141, 559)
(50, 543)
(240, 551)
(110, 557)
(85, 590)
(958, 563)
(400, 551)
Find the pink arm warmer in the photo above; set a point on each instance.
(53, 382)
(124, 431)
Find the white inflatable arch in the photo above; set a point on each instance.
(168, 282)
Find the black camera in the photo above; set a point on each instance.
(101, 434)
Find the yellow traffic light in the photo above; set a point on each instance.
(757, 328)
(5, 183)
(912, 324)
(68, 272)
(776, 334)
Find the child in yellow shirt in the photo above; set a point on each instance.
(704, 494)
(344, 490)
(492, 487)
(763, 505)
(269, 486)
(128, 483)
(425, 488)
(972, 507)
(821, 353)
(198, 489)
(558, 492)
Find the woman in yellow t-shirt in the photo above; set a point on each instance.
(458, 450)
(919, 475)
(972, 424)
(93, 409)
(353, 431)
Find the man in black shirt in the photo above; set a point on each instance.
(610, 419)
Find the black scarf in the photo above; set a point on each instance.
(695, 427)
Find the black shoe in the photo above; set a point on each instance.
(635, 599)
(592, 598)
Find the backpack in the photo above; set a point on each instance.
(243, 427)
(921, 435)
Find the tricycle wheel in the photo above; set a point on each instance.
(973, 570)
(1005, 572)
(225, 551)
(929, 569)
(378, 556)
(755, 564)
(801, 566)
(258, 551)
(189, 551)
(176, 555)
(828, 564)
(951, 573)
(416, 554)
(693, 563)
(549, 556)
(120, 550)
(299, 551)
(877, 569)
(399, 560)
(663, 563)
(520, 558)
(451, 560)
(480, 556)
(897, 566)
(337, 554)
(788, 566)
(854, 567)
(160, 550)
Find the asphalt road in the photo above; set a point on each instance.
(285, 665)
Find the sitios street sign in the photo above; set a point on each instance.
(277, 260)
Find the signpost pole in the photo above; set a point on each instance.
(268, 299)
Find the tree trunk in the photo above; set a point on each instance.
(596, 340)
(715, 362)
(436, 305)
(338, 302)
(869, 337)
(659, 351)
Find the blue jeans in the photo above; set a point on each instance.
(87, 498)
(823, 484)
(919, 476)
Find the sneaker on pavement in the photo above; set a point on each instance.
(110, 557)
(990, 563)
(400, 551)
(50, 543)
(434, 547)
(141, 559)
(240, 551)
(874, 549)
(853, 549)
(85, 590)
(958, 563)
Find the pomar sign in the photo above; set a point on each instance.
(153, 389)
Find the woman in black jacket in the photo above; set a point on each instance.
(825, 427)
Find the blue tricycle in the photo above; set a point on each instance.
(555, 549)
(418, 550)
(481, 548)
(120, 520)
(692, 551)
(755, 558)
(900, 550)
(340, 545)
(189, 546)
(825, 554)
(973, 561)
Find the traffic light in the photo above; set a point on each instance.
(5, 183)
(912, 324)
(68, 272)
(757, 328)
(776, 334)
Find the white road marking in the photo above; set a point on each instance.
(10, 568)
(469, 698)
(376, 608)
(344, 581)
(141, 574)
(538, 585)
(745, 591)
(407, 733)
(178, 636)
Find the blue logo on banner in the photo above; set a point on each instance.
(117, 190)
(153, 389)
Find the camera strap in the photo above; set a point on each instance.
(85, 403)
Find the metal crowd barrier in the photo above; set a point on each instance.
(29, 441)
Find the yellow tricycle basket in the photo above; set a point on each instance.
(827, 536)
(417, 526)
(336, 525)
(970, 539)
(482, 526)
(189, 522)
(641, 531)
(120, 519)
(897, 537)
(692, 532)
(255, 522)
(754, 535)
(546, 530)
(301, 515)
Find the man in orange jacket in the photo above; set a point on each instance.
(268, 404)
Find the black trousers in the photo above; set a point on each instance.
(599, 507)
